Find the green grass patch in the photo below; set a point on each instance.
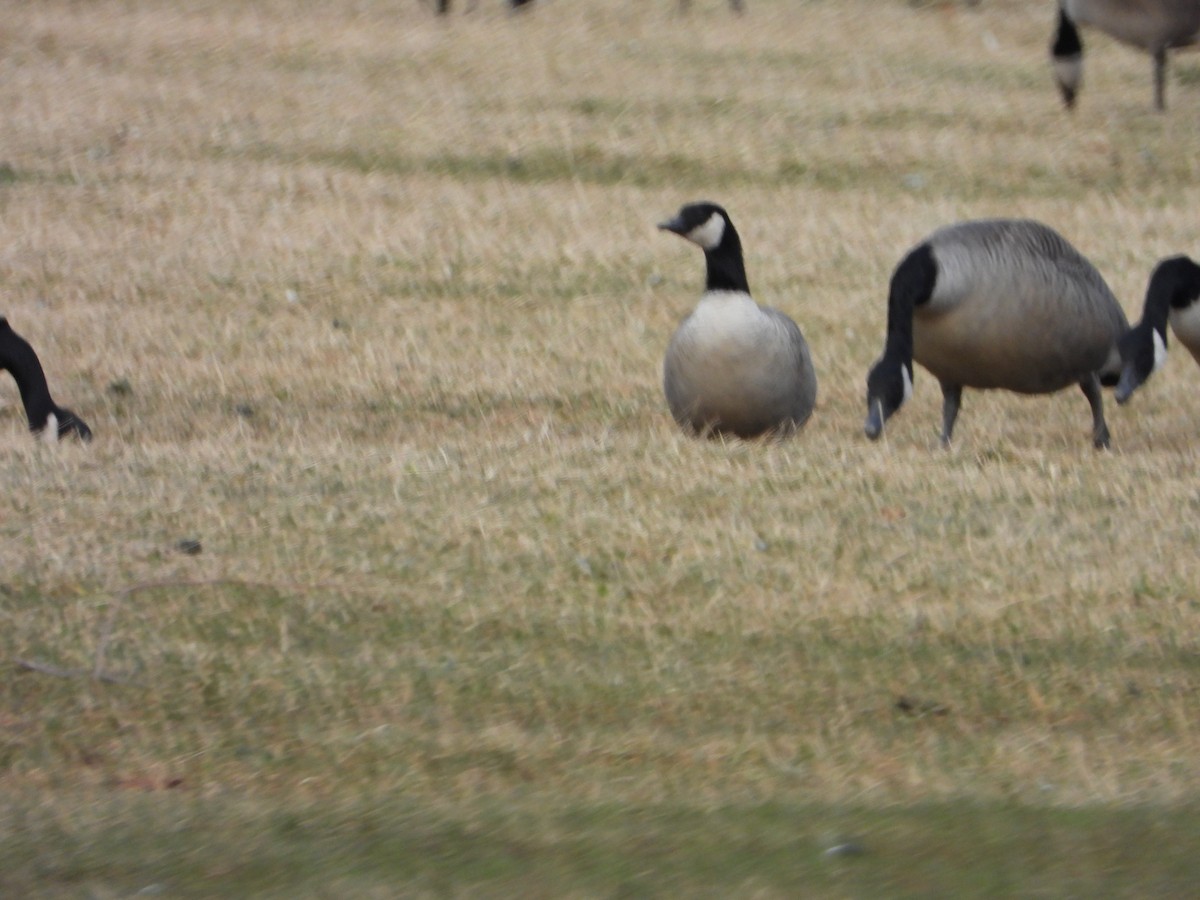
(167, 843)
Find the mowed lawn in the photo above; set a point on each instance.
(388, 573)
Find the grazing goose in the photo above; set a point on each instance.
(732, 366)
(46, 418)
(1172, 296)
(1155, 26)
(996, 303)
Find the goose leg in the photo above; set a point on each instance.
(1091, 390)
(1160, 79)
(951, 400)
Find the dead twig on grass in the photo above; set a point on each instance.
(34, 665)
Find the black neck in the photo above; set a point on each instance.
(1155, 313)
(899, 325)
(1066, 40)
(911, 285)
(899, 347)
(726, 269)
(18, 358)
(1174, 284)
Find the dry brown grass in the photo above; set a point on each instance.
(390, 306)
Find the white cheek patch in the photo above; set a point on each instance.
(907, 376)
(1160, 350)
(49, 434)
(710, 233)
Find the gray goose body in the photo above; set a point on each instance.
(733, 366)
(1155, 26)
(997, 303)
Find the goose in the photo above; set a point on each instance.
(732, 366)
(46, 418)
(1155, 26)
(996, 303)
(1171, 296)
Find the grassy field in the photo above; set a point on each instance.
(368, 308)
